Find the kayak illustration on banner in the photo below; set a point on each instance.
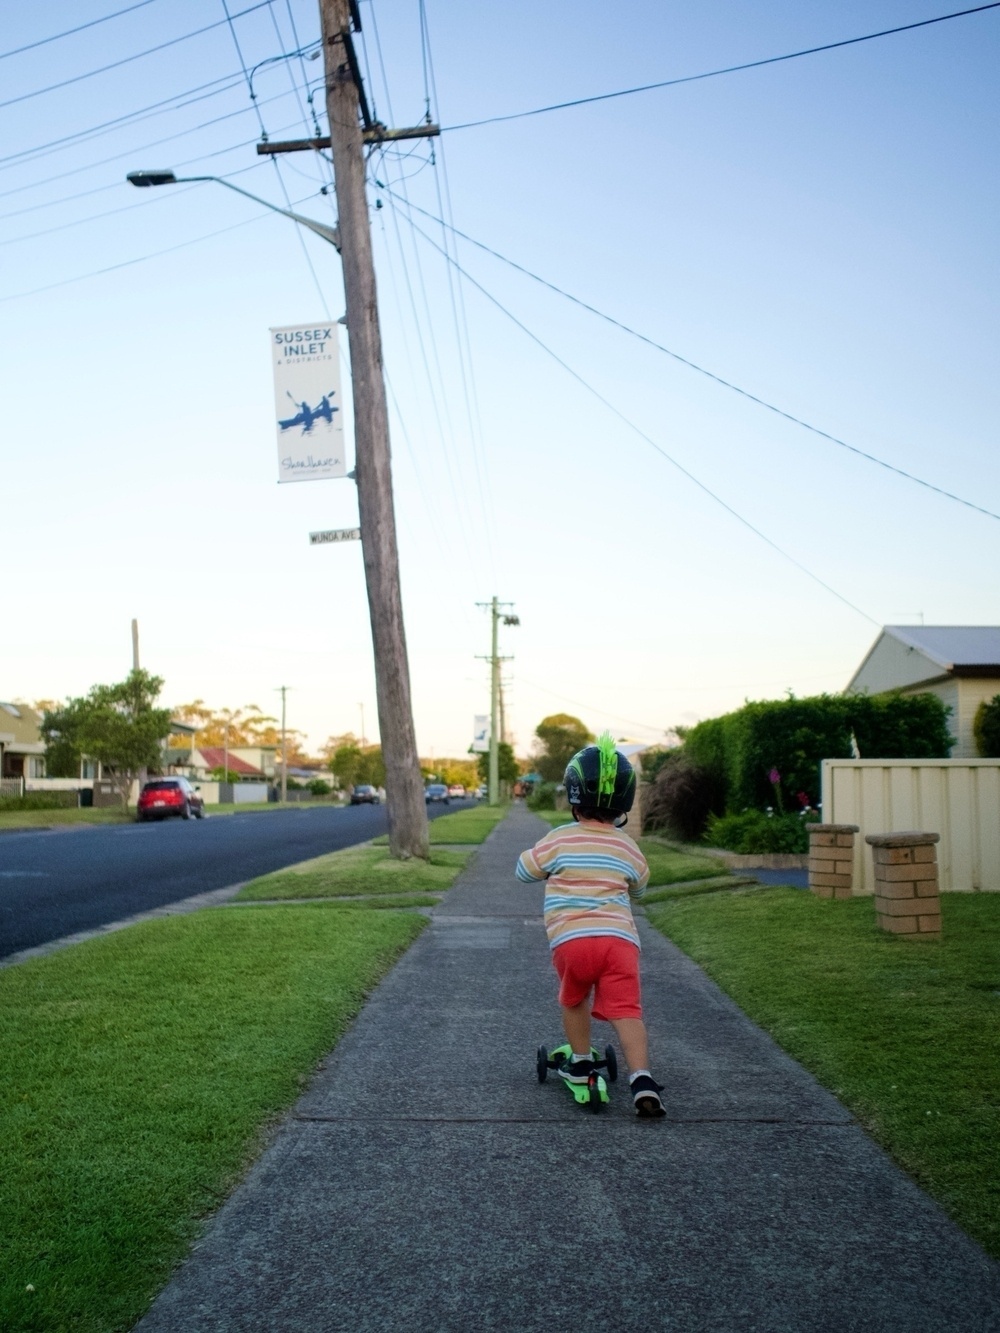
(307, 416)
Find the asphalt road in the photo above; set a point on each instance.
(54, 883)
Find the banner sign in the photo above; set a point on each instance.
(480, 734)
(335, 535)
(308, 403)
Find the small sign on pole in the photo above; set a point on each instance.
(335, 535)
(308, 402)
(480, 734)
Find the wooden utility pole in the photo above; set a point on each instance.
(344, 103)
(497, 728)
(284, 753)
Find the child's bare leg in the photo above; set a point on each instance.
(632, 1035)
(576, 1025)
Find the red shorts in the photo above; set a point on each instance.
(604, 964)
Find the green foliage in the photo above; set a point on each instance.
(653, 760)
(755, 832)
(792, 735)
(986, 728)
(508, 765)
(353, 766)
(361, 871)
(222, 774)
(905, 1034)
(319, 787)
(40, 800)
(543, 797)
(561, 735)
(681, 798)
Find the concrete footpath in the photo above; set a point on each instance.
(427, 1183)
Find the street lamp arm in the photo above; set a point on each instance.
(145, 178)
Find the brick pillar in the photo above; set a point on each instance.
(831, 860)
(907, 897)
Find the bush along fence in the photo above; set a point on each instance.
(761, 763)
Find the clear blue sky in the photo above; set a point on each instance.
(821, 232)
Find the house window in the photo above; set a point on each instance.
(36, 766)
(88, 768)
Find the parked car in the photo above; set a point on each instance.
(162, 797)
(437, 791)
(364, 795)
(483, 792)
(456, 791)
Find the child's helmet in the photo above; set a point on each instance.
(600, 776)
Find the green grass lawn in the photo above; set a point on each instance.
(136, 1073)
(363, 870)
(29, 819)
(907, 1035)
(670, 866)
(469, 826)
(554, 817)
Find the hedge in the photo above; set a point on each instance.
(741, 749)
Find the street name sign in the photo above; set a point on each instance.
(335, 535)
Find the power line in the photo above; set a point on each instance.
(141, 259)
(644, 726)
(642, 434)
(127, 60)
(715, 73)
(693, 365)
(82, 27)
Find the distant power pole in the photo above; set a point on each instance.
(284, 752)
(135, 645)
(347, 108)
(494, 660)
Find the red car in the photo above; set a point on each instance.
(162, 797)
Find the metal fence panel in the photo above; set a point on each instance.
(957, 798)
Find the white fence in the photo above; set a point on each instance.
(957, 798)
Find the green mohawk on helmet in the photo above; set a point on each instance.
(608, 751)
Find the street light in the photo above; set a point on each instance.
(147, 178)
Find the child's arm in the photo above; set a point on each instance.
(637, 887)
(528, 867)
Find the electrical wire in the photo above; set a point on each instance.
(715, 73)
(587, 708)
(642, 434)
(709, 374)
(69, 32)
(142, 259)
(277, 170)
(127, 60)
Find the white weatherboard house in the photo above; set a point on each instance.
(958, 663)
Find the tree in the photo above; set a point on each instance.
(118, 725)
(561, 735)
(986, 728)
(344, 760)
(60, 730)
(509, 767)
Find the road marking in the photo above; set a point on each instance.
(181, 908)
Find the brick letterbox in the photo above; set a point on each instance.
(907, 895)
(831, 859)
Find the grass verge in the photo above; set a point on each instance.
(136, 1071)
(669, 866)
(907, 1035)
(469, 826)
(36, 819)
(358, 872)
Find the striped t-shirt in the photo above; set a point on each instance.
(592, 871)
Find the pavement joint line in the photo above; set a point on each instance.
(182, 907)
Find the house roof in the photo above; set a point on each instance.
(216, 757)
(953, 647)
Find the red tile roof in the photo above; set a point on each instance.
(215, 757)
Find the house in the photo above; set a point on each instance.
(958, 663)
(22, 751)
(209, 757)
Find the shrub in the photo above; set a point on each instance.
(681, 799)
(755, 832)
(319, 787)
(41, 800)
(792, 736)
(986, 728)
(543, 797)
